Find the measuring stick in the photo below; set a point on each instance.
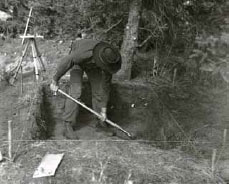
(95, 113)
(10, 139)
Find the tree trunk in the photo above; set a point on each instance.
(51, 20)
(6, 3)
(130, 39)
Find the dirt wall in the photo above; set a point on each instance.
(133, 106)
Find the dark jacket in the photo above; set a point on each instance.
(81, 54)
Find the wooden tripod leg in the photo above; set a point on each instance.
(20, 62)
(35, 62)
(27, 24)
(38, 55)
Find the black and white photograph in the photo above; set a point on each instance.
(114, 91)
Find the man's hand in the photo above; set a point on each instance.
(54, 87)
(103, 117)
(103, 114)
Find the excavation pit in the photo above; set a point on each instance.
(135, 107)
(132, 106)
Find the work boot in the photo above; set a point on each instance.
(69, 132)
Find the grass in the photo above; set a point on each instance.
(116, 163)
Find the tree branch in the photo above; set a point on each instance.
(145, 41)
(114, 25)
(149, 30)
(148, 38)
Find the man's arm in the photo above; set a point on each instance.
(65, 65)
(69, 61)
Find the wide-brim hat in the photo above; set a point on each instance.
(107, 57)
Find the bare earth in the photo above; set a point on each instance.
(96, 157)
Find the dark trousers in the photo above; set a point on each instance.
(100, 86)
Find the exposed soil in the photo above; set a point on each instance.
(130, 106)
(193, 122)
(16, 107)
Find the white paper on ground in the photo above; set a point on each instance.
(48, 165)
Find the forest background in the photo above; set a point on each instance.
(175, 40)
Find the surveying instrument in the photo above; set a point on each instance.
(37, 60)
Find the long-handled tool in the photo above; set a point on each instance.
(95, 113)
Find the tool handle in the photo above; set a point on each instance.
(80, 103)
(95, 113)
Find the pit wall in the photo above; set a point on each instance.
(133, 106)
(137, 108)
(38, 129)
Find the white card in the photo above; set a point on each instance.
(48, 165)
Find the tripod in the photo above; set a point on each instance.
(37, 61)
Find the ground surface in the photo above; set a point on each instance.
(97, 158)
